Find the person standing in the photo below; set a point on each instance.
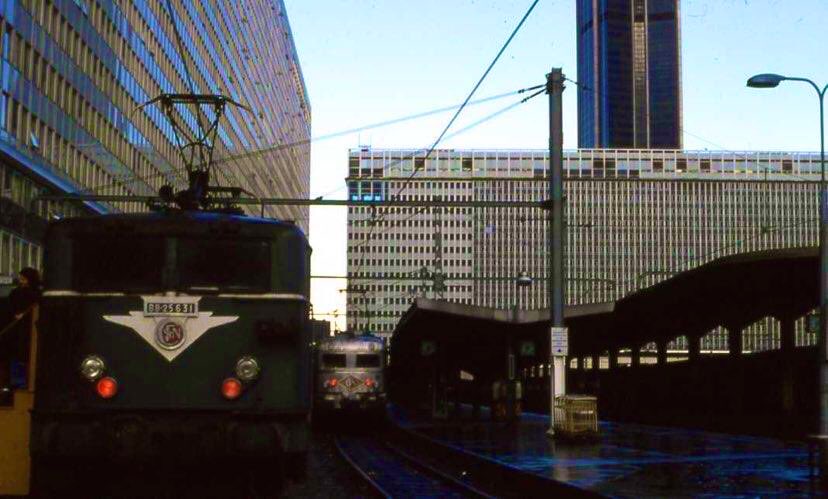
(14, 343)
(26, 294)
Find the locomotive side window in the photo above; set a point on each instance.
(229, 264)
(367, 360)
(109, 263)
(333, 360)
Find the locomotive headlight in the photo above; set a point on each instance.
(92, 367)
(247, 368)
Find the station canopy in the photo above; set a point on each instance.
(732, 291)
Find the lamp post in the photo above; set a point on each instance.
(523, 280)
(769, 80)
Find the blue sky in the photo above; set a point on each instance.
(366, 61)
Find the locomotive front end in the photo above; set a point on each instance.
(179, 335)
(350, 375)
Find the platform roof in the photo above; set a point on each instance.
(475, 339)
(733, 291)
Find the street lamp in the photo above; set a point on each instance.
(770, 80)
(524, 280)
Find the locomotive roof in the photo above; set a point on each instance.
(188, 222)
(344, 340)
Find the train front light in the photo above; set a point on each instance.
(107, 387)
(231, 388)
(92, 367)
(247, 369)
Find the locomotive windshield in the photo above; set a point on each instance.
(224, 264)
(367, 360)
(334, 360)
(110, 263)
(143, 263)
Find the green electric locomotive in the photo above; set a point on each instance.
(176, 336)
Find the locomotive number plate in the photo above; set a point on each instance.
(158, 308)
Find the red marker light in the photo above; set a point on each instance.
(231, 388)
(331, 382)
(106, 387)
(369, 382)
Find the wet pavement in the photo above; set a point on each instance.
(629, 460)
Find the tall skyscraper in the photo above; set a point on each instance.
(74, 73)
(629, 74)
(633, 217)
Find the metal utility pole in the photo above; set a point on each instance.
(557, 381)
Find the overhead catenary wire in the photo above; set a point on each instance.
(134, 177)
(471, 94)
(467, 127)
(457, 113)
(379, 220)
(683, 264)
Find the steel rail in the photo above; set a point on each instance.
(424, 472)
(365, 475)
(465, 487)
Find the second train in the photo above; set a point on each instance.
(350, 376)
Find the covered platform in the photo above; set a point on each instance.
(624, 352)
(631, 460)
(456, 352)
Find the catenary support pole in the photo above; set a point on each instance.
(555, 87)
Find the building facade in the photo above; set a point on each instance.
(629, 74)
(634, 218)
(74, 73)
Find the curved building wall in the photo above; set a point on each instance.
(74, 73)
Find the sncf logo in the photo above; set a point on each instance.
(170, 333)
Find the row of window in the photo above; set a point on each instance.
(401, 275)
(607, 260)
(447, 262)
(16, 253)
(375, 162)
(106, 62)
(421, 236)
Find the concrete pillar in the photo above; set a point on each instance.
(787, 334)
(734, 339)
(693, 348)
(735, 382)
(635, 355)
(613, 358)
(559, 366)
(595, 376)
(661, 347)
(511, 361)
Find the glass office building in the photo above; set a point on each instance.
(74, 73)
(634, 218)
(629, 74)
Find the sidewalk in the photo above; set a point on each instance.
(635, 460)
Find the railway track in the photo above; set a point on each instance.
(392, 472)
